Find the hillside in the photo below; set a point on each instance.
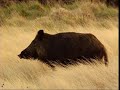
(19, 23)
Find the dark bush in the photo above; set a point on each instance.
(112, 3)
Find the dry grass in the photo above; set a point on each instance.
(18, 32)
(23, 74)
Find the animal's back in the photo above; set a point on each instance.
(72, 45)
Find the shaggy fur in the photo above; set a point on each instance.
(64, 48)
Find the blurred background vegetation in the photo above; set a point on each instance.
(70, 12)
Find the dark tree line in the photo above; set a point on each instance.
(107, 2)
(47, 2)
(60, 1)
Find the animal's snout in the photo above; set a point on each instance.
(19, 56)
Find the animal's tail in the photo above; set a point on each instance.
(105, 57)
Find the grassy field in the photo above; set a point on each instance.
(17, 32)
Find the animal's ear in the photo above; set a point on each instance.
(40, 34)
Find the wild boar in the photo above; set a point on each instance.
(65, 48)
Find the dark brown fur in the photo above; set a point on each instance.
(65, 48)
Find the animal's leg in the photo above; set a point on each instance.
(48, 63)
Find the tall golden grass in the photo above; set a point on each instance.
(18, 73)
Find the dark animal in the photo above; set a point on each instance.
(65, 48)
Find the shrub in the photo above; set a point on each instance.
(103, 12)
